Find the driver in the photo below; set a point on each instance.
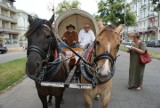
(70, 37)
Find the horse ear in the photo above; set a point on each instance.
(30, 19)
(52, 19)
(100, 24)
(120, 28)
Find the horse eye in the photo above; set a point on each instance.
(97, 42)
(117, 47)
(48, 36)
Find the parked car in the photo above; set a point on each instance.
(128, 42)
(150, 43)
(3, 50)
(157, 43)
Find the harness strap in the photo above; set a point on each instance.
(36, 49)
(91, 75)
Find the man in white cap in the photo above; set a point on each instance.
(85, 36)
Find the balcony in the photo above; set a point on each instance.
(152, 28)
(143, 6)
(10, 19)
(8, 7)
(6, 30)
(153, 14)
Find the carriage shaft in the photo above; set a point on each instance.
(70, 76)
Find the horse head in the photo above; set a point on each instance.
(106, 47)
(41, 40)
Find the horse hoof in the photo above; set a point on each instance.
(49, 104)
(62, 101)
(97, 97)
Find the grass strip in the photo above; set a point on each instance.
(11, 72)
(151, 53)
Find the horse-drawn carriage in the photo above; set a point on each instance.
(93, 70)
(77, 18)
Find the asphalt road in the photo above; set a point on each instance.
(11, 56)
(24, 94)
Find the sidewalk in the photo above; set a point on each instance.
(17, 49)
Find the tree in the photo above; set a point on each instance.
(114, 11)
(156, 3)
(67, 5)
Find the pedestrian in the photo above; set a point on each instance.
(70, 37)
(136, 69)
(85, 36)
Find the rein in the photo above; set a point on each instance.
(81, 58)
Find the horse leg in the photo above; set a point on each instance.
(50, 100)
(62, 100)
(88, 100)
(43, 100)
(58, 100)
(105, 100)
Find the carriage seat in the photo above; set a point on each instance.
(73, 61)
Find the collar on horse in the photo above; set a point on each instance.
(91, 74)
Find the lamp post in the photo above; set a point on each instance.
(125, 19)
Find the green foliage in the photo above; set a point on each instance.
(114, 12)
(67, 5)
(11, 72)
(156, 3)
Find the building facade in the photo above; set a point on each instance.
(22, 25)
(8, 22)
(147, 20)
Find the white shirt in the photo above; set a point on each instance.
(85, 37)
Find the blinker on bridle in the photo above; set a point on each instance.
(104, 55)
(94, 77)
(38, 49)
(43, 54)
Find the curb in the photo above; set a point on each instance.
(13, 85)
(155, 58)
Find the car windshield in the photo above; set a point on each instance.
(152, 41)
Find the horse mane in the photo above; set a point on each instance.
(37, 23)
(107, 28)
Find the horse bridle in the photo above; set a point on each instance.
(43, 54)
(38, 49)
(105, 55)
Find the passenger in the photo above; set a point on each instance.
(70, 37)
(85, 36)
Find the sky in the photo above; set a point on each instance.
(43, 7)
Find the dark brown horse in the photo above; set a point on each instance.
(44, 59)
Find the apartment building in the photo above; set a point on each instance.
(147, 20)
(22, 25)
(8, 22)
